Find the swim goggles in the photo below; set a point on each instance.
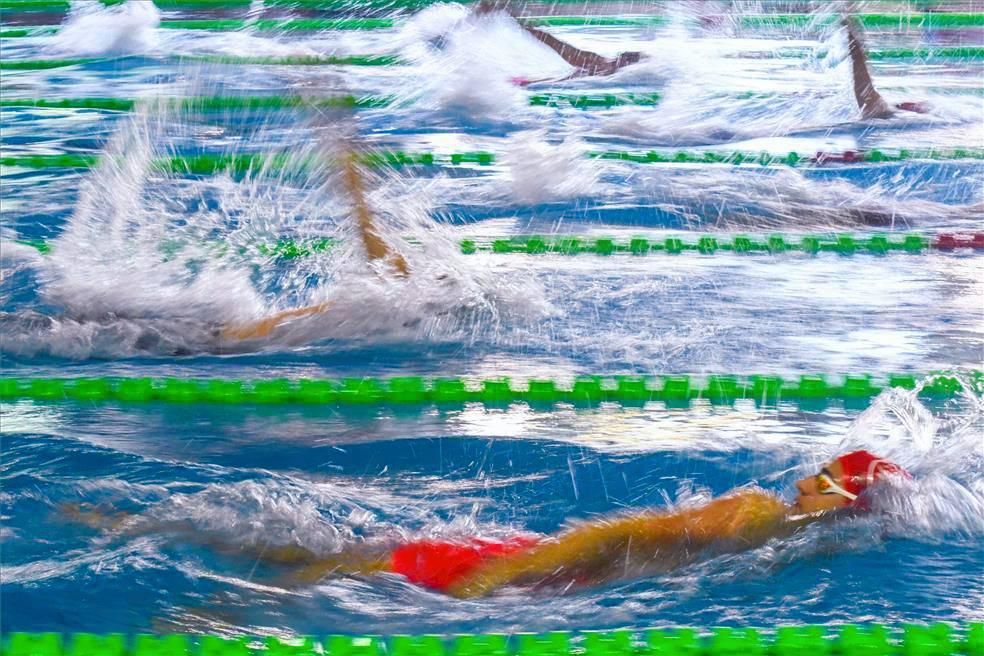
(826, 485)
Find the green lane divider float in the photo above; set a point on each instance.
(878, 244)
(944, 52)
(279, 24)
(843, 640)
(210, 164)
(226, 103)
(709, 245)
(675, 391)
(41, 64)
(352, 60)
(883, 20)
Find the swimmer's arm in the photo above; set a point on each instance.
(588, 551)
(376, 247)
(263, 327)
(586, 62)
(870, 102)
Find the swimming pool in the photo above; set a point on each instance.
(143, 259)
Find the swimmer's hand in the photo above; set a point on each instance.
(263, 327)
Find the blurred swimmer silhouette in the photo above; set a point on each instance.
(616, 547)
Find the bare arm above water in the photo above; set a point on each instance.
(870, 102)
(586, 62)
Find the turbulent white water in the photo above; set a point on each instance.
(189, 254)
(129, 28)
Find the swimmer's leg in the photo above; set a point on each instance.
(870, 102)
(347, 563)
(95, 519)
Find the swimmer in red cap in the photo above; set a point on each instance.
(870, 102)
(621, 546)
(616, 547)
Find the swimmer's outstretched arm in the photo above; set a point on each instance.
(600, 550)
(586, 62)
(870, 102)
(376, 249)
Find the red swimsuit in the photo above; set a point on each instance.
(439, 564)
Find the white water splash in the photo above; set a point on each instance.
(188, 253)
(93, 29)
(540, 171)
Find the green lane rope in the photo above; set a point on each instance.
(790, 159)
(41, 64)
(225, 103)
(843, 244)
(204, 103)
(844, 640)
(31, 30)
(944, 52)
(302, 60)
(674, 391)
(280, 25)
(351, 60)
(709, 245)
(917, 19)
(209, 164)
(950, 52)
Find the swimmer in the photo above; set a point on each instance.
(612, 548)
(585, 63)
(376, 250)
(870, 102)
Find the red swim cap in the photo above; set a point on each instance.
(862, 468)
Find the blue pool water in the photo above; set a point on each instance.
(132, 287)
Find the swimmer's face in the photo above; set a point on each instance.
(817, 495)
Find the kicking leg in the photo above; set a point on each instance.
(347, 563)
(95, 519)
